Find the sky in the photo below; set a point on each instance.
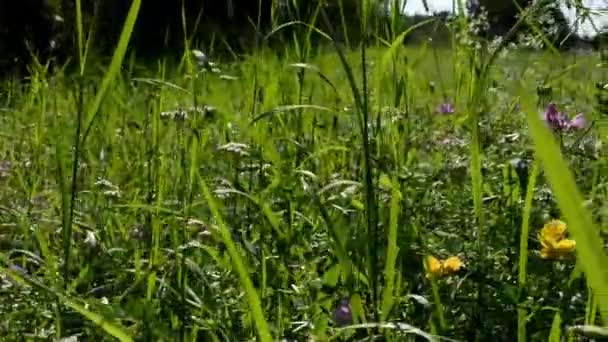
(416, 6)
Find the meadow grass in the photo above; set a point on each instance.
(175, 202)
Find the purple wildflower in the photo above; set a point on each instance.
(18, 269)
(446, 108)
(343, 314)
(555, 119)
(578, 122)
(559, 121)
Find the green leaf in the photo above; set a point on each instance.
(239, 264)
(331, 276)
(357, 308)
(556, 330)
(117, 58)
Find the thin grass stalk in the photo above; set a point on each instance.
(62, 181)
(117, 58)
(67, 228)
(192, 170)
(359, 105)
(185, 189)
(370, 193)
(150, 191)
(522, 313)
(391, 253)
(343, 24)
(361, 100)
(68, 208)
(156, 190)
(590, 307)
(301, 73)
(79, 36)
(473, 88)
(258, 27)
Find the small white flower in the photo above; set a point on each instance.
(237, 148)
(201, 57)
(90, 238)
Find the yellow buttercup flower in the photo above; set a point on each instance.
(453, 264)
(554, 230)
(553, 241)
(439, 268)
(434, 266)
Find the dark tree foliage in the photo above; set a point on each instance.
(159, 27)
(28, 26)
(503, 15)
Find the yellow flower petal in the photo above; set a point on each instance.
(545, 242)
(553, 242)
(561, 249)
(565, 246)
(553, 231)
(453, 264)
(434, 266)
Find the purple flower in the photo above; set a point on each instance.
(554, 118)
(18, 269)
(578, 122)
(559, 121)
(343, 314)
(446, 108)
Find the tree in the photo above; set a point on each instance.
(503, 15)
(27, 28)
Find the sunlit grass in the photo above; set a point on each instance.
(250, 200)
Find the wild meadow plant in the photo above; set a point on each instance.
(317, 196)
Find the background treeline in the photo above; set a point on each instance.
(47, 27)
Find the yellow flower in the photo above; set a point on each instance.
(553, 231)
(439, 268)
(553, 241)
(453, 264)
(434, 267)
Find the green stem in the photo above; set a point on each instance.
(522, 313)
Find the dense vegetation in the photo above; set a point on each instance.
(47, 29)
(319, 189)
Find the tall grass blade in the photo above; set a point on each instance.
(79, 35)
(361, 98)
(591, 256)
(556, 328)
(391, 253)
(238, 263)
(113, 70)
(523, 250)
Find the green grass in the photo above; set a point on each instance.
(255, 216)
